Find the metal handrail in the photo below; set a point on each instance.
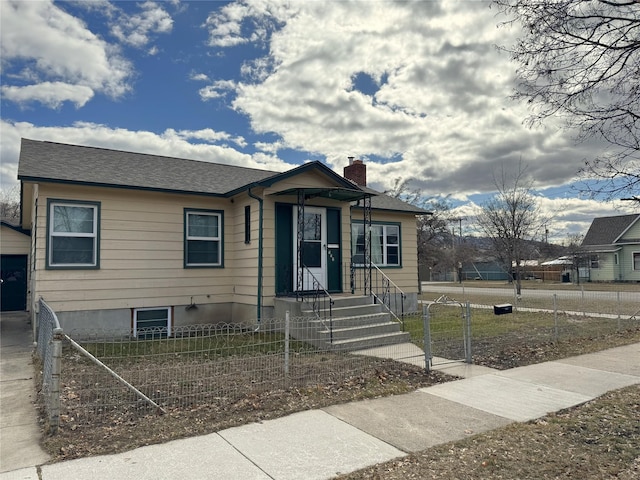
(383, 295)
(318, 292)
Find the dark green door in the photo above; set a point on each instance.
(284, 249)
(14, 283)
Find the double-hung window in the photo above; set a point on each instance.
(203, 238)
(385, 244)
(73, 234)
(636, 260)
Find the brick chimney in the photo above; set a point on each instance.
(356, 171)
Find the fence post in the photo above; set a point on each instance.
(287, 326)
(555, 315)
(584, 309)
(619, 308)
(426, 325)
(467, 346)
(56, 370)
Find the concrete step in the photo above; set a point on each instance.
(371, 341)
(353, 321)
(360, 331)
(345, 307)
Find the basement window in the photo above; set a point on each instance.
(152, 322)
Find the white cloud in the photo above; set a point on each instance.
(136, 30)
(51, 94)
(173, 143)
(217, 89)
(63, 52)
(441, 116)
(199, 77)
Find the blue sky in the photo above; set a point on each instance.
(418, 90)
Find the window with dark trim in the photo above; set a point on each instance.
(73, 235)
(152, 322)
(385, 244)
(636, 260)
(203, 238)
(247, 224)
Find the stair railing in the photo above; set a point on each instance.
(320, 301)
(387, 293)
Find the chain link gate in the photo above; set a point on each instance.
(447, 332)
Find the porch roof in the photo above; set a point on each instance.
(334, 193)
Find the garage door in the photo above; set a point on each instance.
(14, 283)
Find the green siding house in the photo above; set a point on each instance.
(613, 248)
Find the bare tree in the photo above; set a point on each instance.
(580, 59)
(10, 204)
(434, 237)
(511, 219)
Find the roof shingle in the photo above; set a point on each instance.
(606, 230)
(59, 162)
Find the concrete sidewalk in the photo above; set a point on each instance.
(319, 444)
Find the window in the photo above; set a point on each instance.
(73, 237)
(616, 259)
(385, 244)
(247, 224)
(595, 261)
(151, 322)
(203, 238)
(636, 260)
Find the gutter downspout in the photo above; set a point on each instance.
(260, 214)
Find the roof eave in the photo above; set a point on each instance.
(25, 178)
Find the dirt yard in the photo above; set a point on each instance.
(595, 441)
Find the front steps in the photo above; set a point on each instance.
(356, 323)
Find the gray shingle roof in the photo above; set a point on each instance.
(99, 166)
(386, 202)
(606, 230)
(59, 162)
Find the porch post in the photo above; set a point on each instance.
(367, 245)
(299, 243)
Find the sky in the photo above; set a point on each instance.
(416, 89)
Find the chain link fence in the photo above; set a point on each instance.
(49, 351)
(487, 325)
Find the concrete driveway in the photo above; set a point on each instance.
(19, 430)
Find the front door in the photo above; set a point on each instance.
(313, 248)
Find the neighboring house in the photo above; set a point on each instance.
(124, 239)
(612, 245)
(14, 260)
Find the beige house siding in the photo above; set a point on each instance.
(243, 263)
(141, 253)
(13, 243)
(406, 278)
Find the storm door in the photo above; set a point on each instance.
(312, 244)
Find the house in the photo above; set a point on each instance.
(123, 240)
(612, 245)
(14, 254)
